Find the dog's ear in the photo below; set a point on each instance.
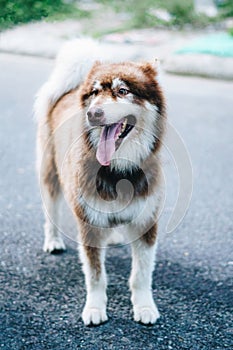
(96, 64)
(151, 65)
(157, 66)
(93, 69)
(152, 69)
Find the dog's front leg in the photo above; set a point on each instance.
(143, 257)
(92, 258)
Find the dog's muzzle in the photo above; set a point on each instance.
(95, 116)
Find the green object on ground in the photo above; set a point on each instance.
(220, 44)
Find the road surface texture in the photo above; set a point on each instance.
(42, 295)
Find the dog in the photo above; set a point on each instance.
(100, 130)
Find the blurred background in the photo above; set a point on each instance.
(119, 15)
(175, 31)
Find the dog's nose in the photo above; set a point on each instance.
(95, 116)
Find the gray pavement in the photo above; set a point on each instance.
(43, 39)
(42, 295)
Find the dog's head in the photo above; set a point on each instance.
(123, 104)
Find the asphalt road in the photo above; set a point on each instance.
(42, 295)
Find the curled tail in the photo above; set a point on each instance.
(71, 66)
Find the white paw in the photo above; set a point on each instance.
(146, 314)
(53, 245)
(94, 315)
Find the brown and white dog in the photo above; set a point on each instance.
(100, 127)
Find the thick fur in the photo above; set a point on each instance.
(123, 195)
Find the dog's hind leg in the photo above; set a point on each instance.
(143, 257)
(50, 190)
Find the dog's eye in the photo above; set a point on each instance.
(123, 91)
(94, 92)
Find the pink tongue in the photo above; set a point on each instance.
(106, 146)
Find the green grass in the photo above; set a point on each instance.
(15, 12)
(231, 31)
(226, 8)
(141, 11)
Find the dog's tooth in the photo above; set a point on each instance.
(124, 125)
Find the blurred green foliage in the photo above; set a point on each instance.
(182, 12)
(226, 8)
(23, 11)
(142, 12)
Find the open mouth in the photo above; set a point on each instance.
(111, 137)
